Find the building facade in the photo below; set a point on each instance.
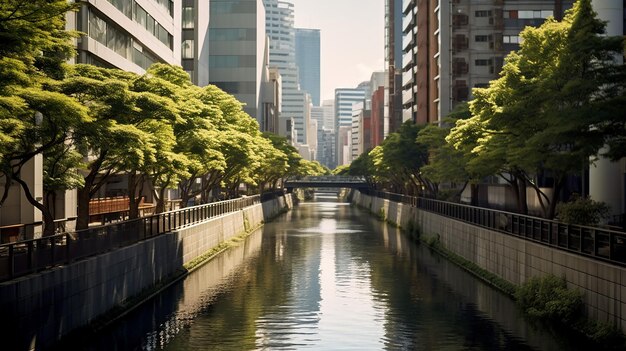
(308, 62)
(344, 99)
(460, 45)
(195, 40)
(393, 62)
(282, 36)
(236, 50)
(129, 35)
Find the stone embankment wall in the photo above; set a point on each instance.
(39, 309)
(516, 260)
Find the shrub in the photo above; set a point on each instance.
(381, 214)
(582, 210)
(548, 298)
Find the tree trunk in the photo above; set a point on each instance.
(83, 198)
(133, 200)
(48, 219)
(160, 204)
(474, 194)
(555, 195)
(522, 201)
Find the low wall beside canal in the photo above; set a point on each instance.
(603, 284)
(39, 309)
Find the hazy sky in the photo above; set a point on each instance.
(352, 38)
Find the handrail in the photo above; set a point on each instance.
(29, 256)
(594, 242)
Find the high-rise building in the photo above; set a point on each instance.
(328, 107)
(451, 49)
(345, 98)
(308, 62)
(361, 129)
(195, 40)
(236, 50)
(281, 32)
(393, 62)
(129, 35)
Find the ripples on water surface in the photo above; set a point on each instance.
(327, 276)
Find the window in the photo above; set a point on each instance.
(140, 15)
(483, 13)
(482, 62)
(232, 34)
(97, 28)
(108, 35)
(481, 38)
(187, 49)
(531, 14)
(511, 39)
(188, 17)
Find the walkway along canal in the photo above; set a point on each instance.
(69, 281)
(327, 276)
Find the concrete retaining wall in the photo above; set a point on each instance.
(517, 260)
(38, 309)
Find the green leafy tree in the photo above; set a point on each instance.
(110, 141)
(399, 159)
(445, 162)
(363, 166)
(551, 108)
(34, 119)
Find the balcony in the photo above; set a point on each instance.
(459, 21)
(407, 59)
(408, 77)
(408, 22)
(459, 43)
(408, 97)
(459, 67)
(408, 41)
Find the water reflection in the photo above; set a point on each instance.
(327, 276)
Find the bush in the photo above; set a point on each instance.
(381, 214)
(548, 298)
(582, 210)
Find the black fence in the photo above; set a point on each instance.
(596, 242)
(25, 257)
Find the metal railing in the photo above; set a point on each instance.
(328, 179)
(595, 242)
(25, 257)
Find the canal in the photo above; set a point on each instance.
(326, 276)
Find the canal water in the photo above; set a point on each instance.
(326, 276)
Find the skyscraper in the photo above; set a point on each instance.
(281, 32)
(344, 100)
(308, 62)
(236, 50)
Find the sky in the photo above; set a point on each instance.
(352, 39)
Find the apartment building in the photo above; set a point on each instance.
(452, 47)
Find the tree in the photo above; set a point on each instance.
(446, 163)
(33, 118)
(551, 108)
(399, 160)
(110, 141)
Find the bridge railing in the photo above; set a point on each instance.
(29, 256)
(329, 179)
(596, 242)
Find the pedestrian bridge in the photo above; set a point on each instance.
(327, 182)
